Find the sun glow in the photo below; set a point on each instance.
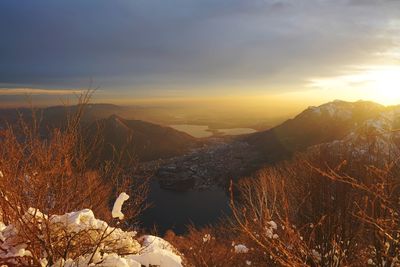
(376, 83)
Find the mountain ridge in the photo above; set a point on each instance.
(315, 125)
(147, 141)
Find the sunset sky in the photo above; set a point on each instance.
(298, 51)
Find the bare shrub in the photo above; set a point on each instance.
(55, 171)
(307, 213)
(377, 209)
(211, 246)
(264, 214)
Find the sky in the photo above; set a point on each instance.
(307, 51)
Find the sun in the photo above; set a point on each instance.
(388, 97)
(385, 84)
(376, 83)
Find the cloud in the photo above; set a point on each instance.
(35, 91)
(188, 44)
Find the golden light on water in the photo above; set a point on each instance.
(376, 83)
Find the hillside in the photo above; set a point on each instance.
(144, 140)
(335, 127)
(316, 125)
(376, 139)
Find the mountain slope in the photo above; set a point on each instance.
(316, 125)
(375, 140)
(144, 140)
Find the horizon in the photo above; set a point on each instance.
(200, 120)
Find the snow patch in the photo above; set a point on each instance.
(116, 211)
(206, 238)
(241, 249)
(270, 229)
(156, 251)
(119, 248)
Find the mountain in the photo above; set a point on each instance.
(329, 123)
(144, 140)
(315, 125)
(375, 140)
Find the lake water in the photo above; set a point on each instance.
(237, 131)
(175, 210)
(203, 131)
(198, 131)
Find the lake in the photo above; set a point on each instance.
(203, 131)
(236, 131)
(175, 210)
(198, 131)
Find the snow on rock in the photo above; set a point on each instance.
(317, 256)
(241, 249)
(376, 139)
(9, 245)
(113, 260)
(118, 248)
(158, 252)
(105, 260)
(2, 227)
(18, 251)
(80, 221)
(270, 229)
(336, 109)
(116, 211)
(273, 225)
(206, 238)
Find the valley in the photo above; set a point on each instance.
(191, 165)
(218, 161)
(204, 131)
(193, 188)
(195, 184)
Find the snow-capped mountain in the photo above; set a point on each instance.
(334, 123)
(377, 138)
